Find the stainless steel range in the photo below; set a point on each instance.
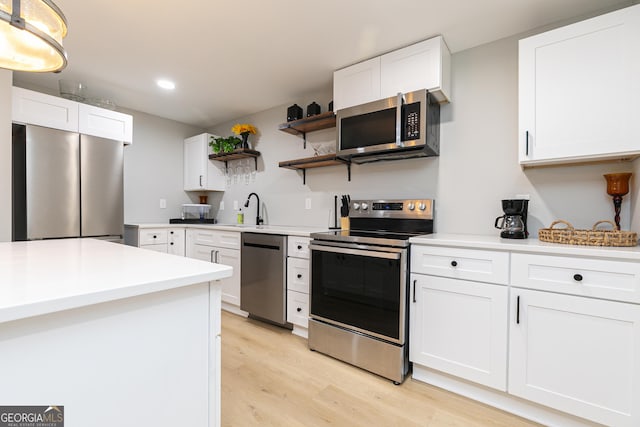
(360, 285)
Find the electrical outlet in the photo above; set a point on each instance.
(235, 205)
(222, 205)
(307, 203)
(163, 203)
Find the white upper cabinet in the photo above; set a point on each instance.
(40, 109)
(200, 173)
(105, 123)
(37, 108)
(579, 91)
(357, 84)
(424, 65)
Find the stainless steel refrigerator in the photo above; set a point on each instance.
(66, 185)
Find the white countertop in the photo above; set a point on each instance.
(289, 230)
(525, 245)
(46, 276)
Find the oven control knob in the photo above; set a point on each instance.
(411, 206)
(356, 206)
(422, 206)
(365, 206)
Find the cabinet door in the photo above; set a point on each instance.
(423, 65)
(195, 163)
(357, 84)
(298, 308)
(36, 108)
(578, 90)
(176, 241)
(231, 257)
(200, 173)
(231, 285)
(460, 327)
(105, 123)
(579, 355)
(298, 274)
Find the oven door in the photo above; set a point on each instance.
(360, 287)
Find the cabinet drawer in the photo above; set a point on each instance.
(298, 247)
(298, 275)
(468, 264)
(158, 248)
(223, 239)
(153, 236)
(298, 308)
(616, 280)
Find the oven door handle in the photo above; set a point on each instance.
(348, 251)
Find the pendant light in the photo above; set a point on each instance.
(31, 33)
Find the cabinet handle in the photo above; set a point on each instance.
(217, 257)
(211, 255)
(518, 310)
(298, 309)
(414, 290)
(299, 276)
(200, 180)
(454, 263)
(577, 277)
(526, 142)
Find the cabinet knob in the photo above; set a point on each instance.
(299, 247)
(454, 263)
(171, 232)
(298, 309)
(299, 276)
(577, 277)
(171, 243)
(154, 236)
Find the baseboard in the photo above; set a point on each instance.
(498, 399)
(234, 309)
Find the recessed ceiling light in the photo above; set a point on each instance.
(166, 84)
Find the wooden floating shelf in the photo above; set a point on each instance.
(315, 162)
(238, 154)
(309, 124)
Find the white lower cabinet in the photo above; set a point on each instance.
(166, 240)
(460, 327)
(221, 247)
(176, 241)
(298, 308)
(558, 343)
(576, 354)
(298, 284)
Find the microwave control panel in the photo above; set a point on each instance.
(411, 116)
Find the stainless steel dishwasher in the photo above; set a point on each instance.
(263, 278)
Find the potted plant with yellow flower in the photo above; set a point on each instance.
(244, 129)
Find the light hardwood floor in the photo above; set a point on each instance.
(270, 378)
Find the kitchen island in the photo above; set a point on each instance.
(117, 335)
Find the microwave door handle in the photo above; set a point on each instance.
(399, 103)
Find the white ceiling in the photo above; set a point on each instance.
(234, 58)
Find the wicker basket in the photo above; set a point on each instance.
(593, 237)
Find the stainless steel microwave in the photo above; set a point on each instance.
(403, 126)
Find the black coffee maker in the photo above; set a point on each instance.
(514, 221)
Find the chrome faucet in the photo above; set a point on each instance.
(246, 205)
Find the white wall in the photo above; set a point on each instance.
(153, 169)
(477, 167)
(6, 78)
